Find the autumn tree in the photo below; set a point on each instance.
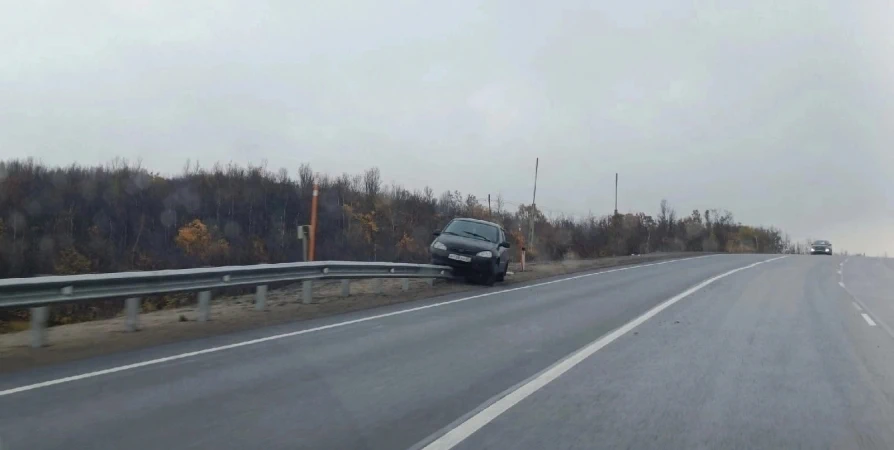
(194, 238)
(71, 262)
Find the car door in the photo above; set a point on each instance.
(503, 251)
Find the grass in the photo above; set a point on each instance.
(14, 326)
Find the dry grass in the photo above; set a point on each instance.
(15, 326)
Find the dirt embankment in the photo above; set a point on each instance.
(233, 313)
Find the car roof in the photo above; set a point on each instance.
(821, 241)
(465, 219)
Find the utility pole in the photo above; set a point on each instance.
(534, 203)
(649, 240)
(616, 193)
(489, 213)
(313, 222)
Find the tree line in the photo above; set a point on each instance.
(121, 216)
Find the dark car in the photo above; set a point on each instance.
(821, 248)
(474, 248)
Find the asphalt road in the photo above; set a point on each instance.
(777, 355)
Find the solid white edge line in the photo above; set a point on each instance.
(315, 329)
(857, 306)
(465, 429)
(868, 319)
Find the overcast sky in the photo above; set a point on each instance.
(780, 111)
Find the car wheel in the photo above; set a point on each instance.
(502, 275)
(490, 277)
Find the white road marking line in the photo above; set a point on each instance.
(857, 306)
(881, 323)
(841, 284)
(465, 429)
(315, 329)
(868, 319)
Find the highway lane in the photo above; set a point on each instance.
(770, 355)
(871, 282)
(383, 383)
(773, 357)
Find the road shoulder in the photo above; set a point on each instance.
(233, 314)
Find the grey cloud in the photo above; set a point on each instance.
(777, 111)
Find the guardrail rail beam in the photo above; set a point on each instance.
(39, 293)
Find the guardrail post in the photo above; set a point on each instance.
(345, 288)
(204, 306)
(132, 310)
(379, 286)
(39, 326)
(431, 282)
(307, 291)
(406, 284)
(260, 297)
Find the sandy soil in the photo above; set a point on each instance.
(233, 313)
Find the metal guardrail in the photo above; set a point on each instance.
(39, 292)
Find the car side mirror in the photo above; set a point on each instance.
(436, 233)
(504, 244)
